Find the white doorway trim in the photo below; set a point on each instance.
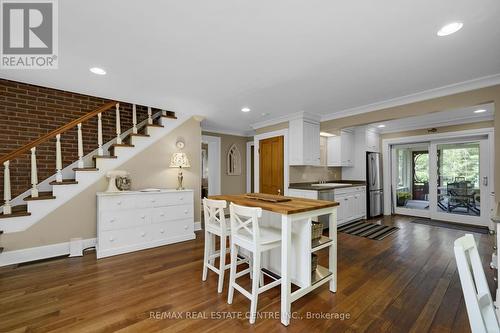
(250, 146)
(214, 174)
(257, 138)
(386, 158)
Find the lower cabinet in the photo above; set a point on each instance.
(352, 201)
(131, 221)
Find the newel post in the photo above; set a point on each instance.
(34, 174)
(80, 145)
(150, 120)
(134, 119)
(118, 126)
(100, 151)
(59, 176)
(7, 209)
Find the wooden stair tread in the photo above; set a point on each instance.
(104, 156)
(41, 196)
(140, 134)
(17, 211)
(64, 182)
(121, 145)
(154, 125)
(168, 116)
(86, 169)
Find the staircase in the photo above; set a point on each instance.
(20, 213)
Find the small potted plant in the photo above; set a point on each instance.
(403, 198)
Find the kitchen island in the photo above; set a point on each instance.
(293, 261)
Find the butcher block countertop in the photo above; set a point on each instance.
(293, 206)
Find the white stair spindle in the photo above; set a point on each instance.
(100, 151)
(34, 174)
(134, 119)
(118, 127)
(80, 146)
(150, 120)
(59, 176)
(163, 112)
(7, 209)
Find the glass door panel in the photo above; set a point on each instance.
(459, 178)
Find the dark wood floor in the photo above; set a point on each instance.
(406, 282)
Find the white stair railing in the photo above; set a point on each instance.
(150, 120)
(80, 145)
(59, 177)
(34, 174)
(6, 189)
(118, 126)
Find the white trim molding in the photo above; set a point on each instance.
(250, 146)
(311, 117)
(227, 131)
(257, 138)
(214, 164)
(197, 226)
(40, 252)
(482, 82)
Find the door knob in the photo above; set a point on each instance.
(279, 192)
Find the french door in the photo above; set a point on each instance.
(446, 180)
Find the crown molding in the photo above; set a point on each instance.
(483, 82)
(227, 131)
(311, 117)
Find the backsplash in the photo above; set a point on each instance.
(304, 174)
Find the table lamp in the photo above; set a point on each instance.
(179, 160)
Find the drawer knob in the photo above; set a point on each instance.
(119, 203)
(185, 212)
(186, 228)
(181, 198)
(143, 234)
(143, 217)
(111, 239)
(162, 214)
(162, 231)
(153, 201)
(112, 220)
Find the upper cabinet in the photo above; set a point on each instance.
(340, 150)
(304, 140)
(372, 141)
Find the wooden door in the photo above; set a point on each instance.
(271, 165)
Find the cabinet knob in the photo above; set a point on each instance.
(143, 217)
(186, 227)
(119, 203)
(111, 239)
(185, 212)
(153, 201)
(181, 198)
(162, 214)
(162, 231)
(112, 220)
(143, 234)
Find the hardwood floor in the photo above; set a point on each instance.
(407, 282)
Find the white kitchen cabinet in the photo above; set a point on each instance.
(340, 150)
(308, 194)
(304, 148)
(365, 140)
(323, 147)
(372, 141)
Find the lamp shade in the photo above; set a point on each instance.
(179, 160)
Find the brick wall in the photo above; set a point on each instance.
(28, 112)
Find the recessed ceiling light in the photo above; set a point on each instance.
(480, 111)
(450, 28)
(98, 71)
(381, 126)
(245, 109)
(326, 134)
(265, 114)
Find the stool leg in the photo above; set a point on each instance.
(206, 255)
(222, 262)
(232, 273)
(212, 248)
(255, 287)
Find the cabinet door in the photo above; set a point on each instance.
(311, 144)
(349, 209)
(323, 146)
(358, 205)
(372, 141)
(347, 154)
(334, 151)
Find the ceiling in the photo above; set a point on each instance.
(212, 58)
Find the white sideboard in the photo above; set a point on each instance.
(132, 220)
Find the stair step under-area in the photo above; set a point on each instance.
(170, 114)
(1, 249)
(64, 182)
(86, 169)
(41, 196)
(17, 211)
(104, 156)
(113, 146)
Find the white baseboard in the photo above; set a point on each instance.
(40, 252)
(197, 226)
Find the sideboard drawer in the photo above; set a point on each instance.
(117, 203)
(172, 229)
(123, 219)
(169, 213)
(126, 237)
(172, 199)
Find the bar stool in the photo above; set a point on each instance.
(247, 234)
(215, 225)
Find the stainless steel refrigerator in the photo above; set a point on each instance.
(375, 193)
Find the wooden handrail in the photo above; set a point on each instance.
(59, 130)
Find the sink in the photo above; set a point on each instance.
(332, 184)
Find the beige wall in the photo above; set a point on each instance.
(305, 174)
(451, 102)
(232, 184)
(77, 217)
(272, 128)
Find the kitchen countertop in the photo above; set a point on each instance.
(308, 186)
